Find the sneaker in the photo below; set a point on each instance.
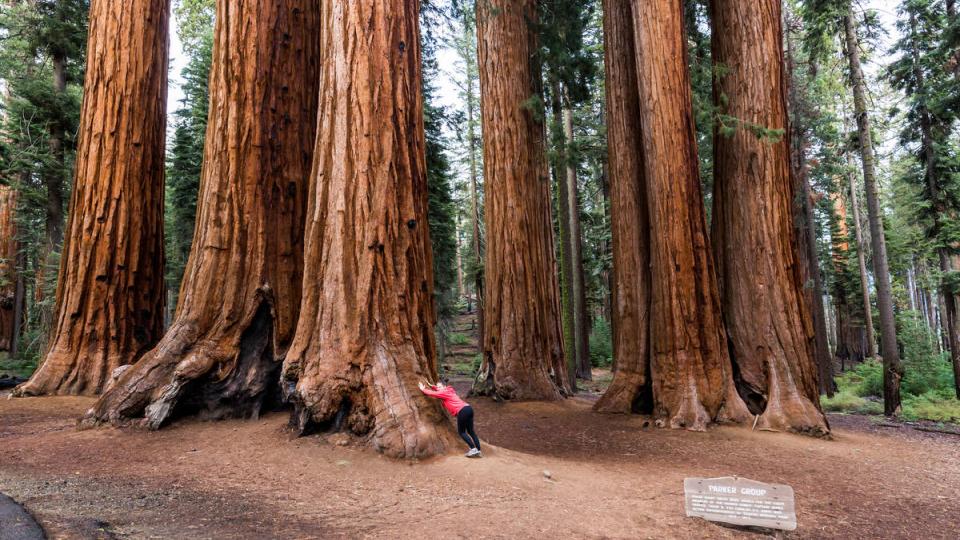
(473, 453)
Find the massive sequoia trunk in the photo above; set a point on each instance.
(110, 295)
(892, 367)
(522, 347)
(630, 227)
(692, 376)
(241, 289)
(770, 327)
(365, 335)
(8, 267)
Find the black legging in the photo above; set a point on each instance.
(465, 427)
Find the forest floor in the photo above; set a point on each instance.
(550, 470)
(609, 477)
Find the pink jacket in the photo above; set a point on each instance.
(451, 401)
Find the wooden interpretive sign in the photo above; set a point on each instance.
(739, 501)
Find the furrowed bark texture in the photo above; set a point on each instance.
(8, 265)
(767, 317)
(110, 294)
(630, 226)
(241, 289)
(365, 335)
(690, 365)
(522, 348)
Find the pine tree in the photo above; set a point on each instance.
(930, 87)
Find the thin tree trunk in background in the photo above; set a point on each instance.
(630, 390)
(892, 367)
(772, 338)
(9, 270)
(241, 289)
(690, 365)
(578, 287)
(850, 337)
(461, 290)
(474, 193)
(522, 347)
(564, 253)
(365, 335)
(807, 233)
(53, 182)
(110, 293)
(862, 264)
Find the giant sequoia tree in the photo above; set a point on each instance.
(629, 391)
(365, 334)
(241, 289)
(690, 372)
(522, 347)
(758, 258)
(110, 293)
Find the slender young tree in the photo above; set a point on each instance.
(768, 320)
(8, 266)
(242, 285)
(892, 367)
(581, 336)
(630, 390)
(522, 348)
(466, 48)
(110, 294)
(862, 263)
(365, 335)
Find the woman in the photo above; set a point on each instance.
(458, 408)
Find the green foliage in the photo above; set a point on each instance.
(34, 38)
(457, 338)
(933, 406)
(925, 370)
(441, 206)
(601, 344)
(927, 386)
(847, 401)
(185, 155)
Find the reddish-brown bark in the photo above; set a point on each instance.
(8, 266)
(241, 289)
(692, 377)
(629, 223)
(366, 330)
(110, 297)
(522, 347)
(768, 320)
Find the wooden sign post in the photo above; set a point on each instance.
(739, 501)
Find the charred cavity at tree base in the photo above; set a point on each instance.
(251, 388)
(152, 393)
(304, 424)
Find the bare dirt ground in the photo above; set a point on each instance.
(609, 478)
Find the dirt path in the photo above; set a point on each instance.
(610, 478)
